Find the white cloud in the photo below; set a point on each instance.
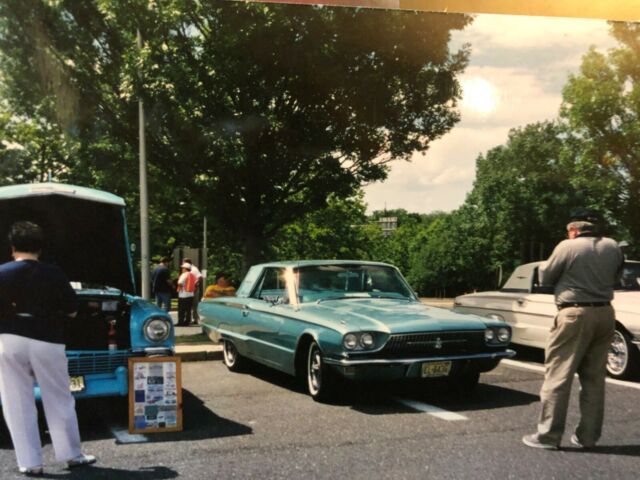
(524, 62)
(524, 32)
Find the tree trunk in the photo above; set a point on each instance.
(252, 251)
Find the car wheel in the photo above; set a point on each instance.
(321, 380)
(230, 356)
(464, 384)
(623, 360)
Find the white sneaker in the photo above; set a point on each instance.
(81, 460)
(576, 442)
(31, 471)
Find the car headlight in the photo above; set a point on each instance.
(359, 341)
(350, 341)
(489, 335)
(366, 340)
(157, 329)
(504, 335)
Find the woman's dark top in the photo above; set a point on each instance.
(35, 300)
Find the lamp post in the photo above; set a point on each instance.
(144, 198)
(203, 267)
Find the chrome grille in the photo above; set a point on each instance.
(434, 343)
(84, 363)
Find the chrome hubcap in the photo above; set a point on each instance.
(315, 370)
(618, 354)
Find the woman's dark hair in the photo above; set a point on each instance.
(26, 237)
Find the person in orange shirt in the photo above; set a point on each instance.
(186, 290)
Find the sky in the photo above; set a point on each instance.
(517, 68)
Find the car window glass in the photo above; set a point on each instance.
(520, 280)
(329, 281)
(272, 286)
(630, 277)
(248, 282)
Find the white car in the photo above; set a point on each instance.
(530, 310)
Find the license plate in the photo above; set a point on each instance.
(76, 384)
(436, 369)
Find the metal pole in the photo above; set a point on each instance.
(144, 197)
(204, 252)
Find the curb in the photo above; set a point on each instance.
(191, 354)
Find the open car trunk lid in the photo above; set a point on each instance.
(84, 230)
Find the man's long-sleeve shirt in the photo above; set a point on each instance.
(584, 269)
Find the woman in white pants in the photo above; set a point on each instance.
(34, 300)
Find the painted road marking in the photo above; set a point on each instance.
(431, 409)
(540, 368)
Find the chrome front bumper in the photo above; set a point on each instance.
(348, 362)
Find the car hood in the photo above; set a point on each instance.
(85, 230)
(392, 316)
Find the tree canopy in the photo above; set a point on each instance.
(256, 113)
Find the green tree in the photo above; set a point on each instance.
(523, 194)
(257, 113)
(31, 149)
(340, 230)
(455, 258)
(601, 112)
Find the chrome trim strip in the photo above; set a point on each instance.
(497, 310)
(406, 361)
(245, 339)
(158, 350)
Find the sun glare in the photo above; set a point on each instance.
(479, 95)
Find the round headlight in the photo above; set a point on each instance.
(504, 335)
(366, 340)
(350, 341)
(157, 329)
(489, 335)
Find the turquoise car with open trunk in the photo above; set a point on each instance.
(86, 235)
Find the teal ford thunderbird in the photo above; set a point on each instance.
(326, 321)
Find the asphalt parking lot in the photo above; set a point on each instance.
(260, 425)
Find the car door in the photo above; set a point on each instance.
(535, 313)
(265, 313)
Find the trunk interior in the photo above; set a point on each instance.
(89, 330)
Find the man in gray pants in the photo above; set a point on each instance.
(583, 270)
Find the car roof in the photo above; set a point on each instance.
(50, 188)
(311, 263)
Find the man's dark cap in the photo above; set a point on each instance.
(585, 215)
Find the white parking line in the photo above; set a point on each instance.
(539, 368)
(431, 410)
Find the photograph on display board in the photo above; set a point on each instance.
(155, 396)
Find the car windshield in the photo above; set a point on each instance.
(630, 277)
(335, 282)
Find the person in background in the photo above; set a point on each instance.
(222, 287)
(186, 289)
(161, 286)
(196, 297)
(583, 271)
(35, 300)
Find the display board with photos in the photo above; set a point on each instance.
(155, 394)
